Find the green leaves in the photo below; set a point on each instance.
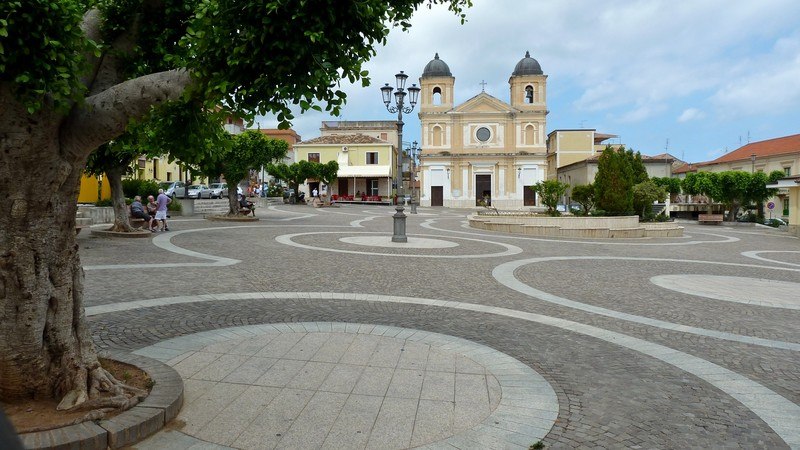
(42, 51)
(550, 191)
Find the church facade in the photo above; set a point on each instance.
(484, 149)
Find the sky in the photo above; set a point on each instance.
(693, 78)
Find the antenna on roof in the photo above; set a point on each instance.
(748, 136)
(666, 146)
(582, 123)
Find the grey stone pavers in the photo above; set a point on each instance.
(368, 401)
(662, 406)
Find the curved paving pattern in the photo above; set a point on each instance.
(623, 377)
(345, 385)
(751, 291)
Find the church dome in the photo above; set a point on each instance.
(527, 66)
(436, 68)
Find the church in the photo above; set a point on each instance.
(483, 150)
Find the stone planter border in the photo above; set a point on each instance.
(127, 428)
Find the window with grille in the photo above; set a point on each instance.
(313, 157)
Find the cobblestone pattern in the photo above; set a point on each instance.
(609, 396)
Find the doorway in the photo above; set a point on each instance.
(483, 189)
(313, 185)
(437, 195)
(343, 186)
(528, 196)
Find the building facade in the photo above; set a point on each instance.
(781, 154)
(482, 150)
(366, 164)
(565, 147)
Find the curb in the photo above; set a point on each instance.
(127, 428)
(116, 234)
(232, 219)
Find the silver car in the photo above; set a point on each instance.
(217, 189)
(174, 189)
(199, 191)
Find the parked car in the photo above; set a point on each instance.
(199, 191)
(225, 191)
(217, 189)
(174, 189)
(775, 222)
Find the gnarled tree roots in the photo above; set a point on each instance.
(98, 391)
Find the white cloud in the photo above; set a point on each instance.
(690, 114)
(765, 84)
(621, 62)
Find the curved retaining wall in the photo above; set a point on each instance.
(571, 226)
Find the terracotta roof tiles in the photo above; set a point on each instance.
(770, 147)
(345, 139)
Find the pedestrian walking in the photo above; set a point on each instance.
(161, 211)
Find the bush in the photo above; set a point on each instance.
(174, 206)
(274, 191)
(133, 187)
(103, 202)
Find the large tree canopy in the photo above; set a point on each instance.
(75, 73)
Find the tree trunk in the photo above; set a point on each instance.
(122, 221)
(233, 201)
(46, 350)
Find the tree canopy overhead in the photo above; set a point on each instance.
(75, 73)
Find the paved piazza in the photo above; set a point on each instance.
(311, 329)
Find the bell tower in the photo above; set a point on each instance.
(437, 84)
(528, 85)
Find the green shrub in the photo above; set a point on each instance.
(148, 187)
(103, 202)
(133, 187)
(174, 206)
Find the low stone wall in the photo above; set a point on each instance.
(625, 227)
(98, 214)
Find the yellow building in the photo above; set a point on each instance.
(483, 149)
(781, 154)
(366, 164)
(565, 147)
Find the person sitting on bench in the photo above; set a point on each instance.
(138, 212)
(246, 207)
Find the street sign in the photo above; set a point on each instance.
(771, 205)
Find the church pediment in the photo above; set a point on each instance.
(483, 103)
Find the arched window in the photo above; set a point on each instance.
(530, 133)
(437, 136)
(437, 96)
(529, 94)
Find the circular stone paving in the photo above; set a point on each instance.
(337, 385)
(386, 241)
(752, 291)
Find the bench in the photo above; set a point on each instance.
(251, 208)
(710, 218)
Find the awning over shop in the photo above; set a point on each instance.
(364, 172)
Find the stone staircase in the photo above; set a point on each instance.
(82, 222)
(211, 207)
(658, 208)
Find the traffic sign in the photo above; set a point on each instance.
(771, 205)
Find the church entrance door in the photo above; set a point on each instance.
(528, 196)
(437, 195)
(483, 189)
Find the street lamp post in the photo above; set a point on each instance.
(399, 107)
(413, 150)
